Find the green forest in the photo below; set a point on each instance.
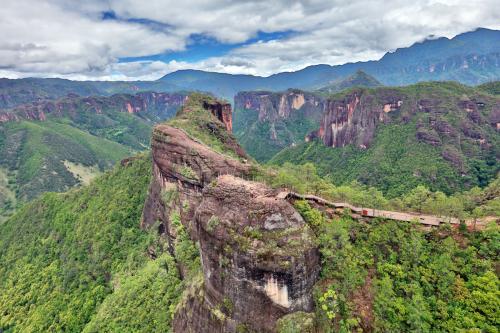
(394, 277)
(78, 261)
(69, 260)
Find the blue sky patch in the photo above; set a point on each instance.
(201, 47)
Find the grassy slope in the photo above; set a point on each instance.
(34, 153)
(64, 255)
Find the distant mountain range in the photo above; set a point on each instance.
(470, 58)
(358, 79)
(15, 92)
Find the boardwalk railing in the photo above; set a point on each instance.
(371, 212)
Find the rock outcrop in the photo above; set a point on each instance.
(267, 122)
(271, 106)
(258, 257)
(221, 111)
(184, 165)
(259, 260)
(354, 118)
(159, 106)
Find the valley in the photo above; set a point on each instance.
(442, 135)
(53, 145)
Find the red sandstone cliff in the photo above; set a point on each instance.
(353, 118)
(258, 258)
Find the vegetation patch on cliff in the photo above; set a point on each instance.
(201, 125)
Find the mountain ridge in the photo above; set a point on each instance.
(471, 58)
(441, 134)
(52, 145)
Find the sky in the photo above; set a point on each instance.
(144, 40)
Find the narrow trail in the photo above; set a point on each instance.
(430, 220)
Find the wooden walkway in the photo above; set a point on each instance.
(430, 220)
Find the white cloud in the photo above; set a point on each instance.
(69, 39)
(41, 37)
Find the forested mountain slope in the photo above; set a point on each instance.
(79, 261)
(63, 254)
(51, 145)
(443, 135)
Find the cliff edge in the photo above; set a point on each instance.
(258, 258)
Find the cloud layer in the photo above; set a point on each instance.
(86, 40)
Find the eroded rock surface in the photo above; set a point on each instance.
(271, 106)
(354, 118)
(223, 112)
(258, 257)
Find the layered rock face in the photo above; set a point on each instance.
(259, 261)
(221, 111)
(268, 122)
(258, 258)
(353, 119)
(185, 165)
(160, 105)
(273, 106)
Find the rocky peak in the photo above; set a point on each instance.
(221, 111)
(259, 262)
